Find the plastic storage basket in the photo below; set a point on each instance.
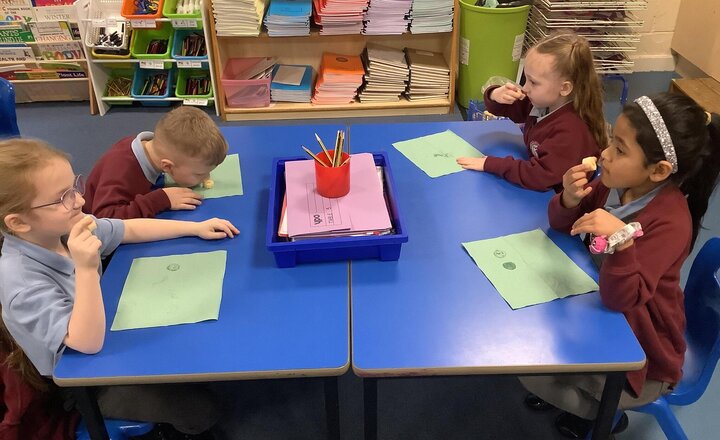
(291, 253)
(170, 11)
(116, 73)
(177, 47)
(152, 100)
(129, 11)
(244, 93)
(185, 74)
(143, 37)
(107, 12)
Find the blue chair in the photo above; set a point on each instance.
(8, 119)
(702, 308)
(117, 429)
(626, 85)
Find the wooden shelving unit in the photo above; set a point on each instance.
(309, 49)
(100, 69)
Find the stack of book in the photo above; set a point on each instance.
(338, 80)
(288, 18)
(386, 74)
(429, 75)
(336, 17)
(431, 16)
(308, 215)
(385, 17)
(291, 83)
(238, 17)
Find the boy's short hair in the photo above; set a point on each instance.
(191, 132)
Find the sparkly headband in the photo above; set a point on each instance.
(661, 130)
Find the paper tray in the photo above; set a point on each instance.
(291, 253)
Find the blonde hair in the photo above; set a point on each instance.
(191, 132)
(574, 61)
(20, 159)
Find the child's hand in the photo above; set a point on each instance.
(183, 198)
(598, 222)
(84, 247)
(216, 228)
(574, 189)
(472, 163)
(507, 94)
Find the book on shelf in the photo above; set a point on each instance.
(386, 74)
(51, 31)
(338, 79)
(16, 52)
(71, 50)
(15, 32)
(291, 83)
(288, 17)
(429, 75)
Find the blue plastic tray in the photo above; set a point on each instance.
(291, 253)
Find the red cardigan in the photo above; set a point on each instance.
(27, 414)
(555, 144)
(117, 187)
(643, 281)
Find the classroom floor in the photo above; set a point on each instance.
(480, 407)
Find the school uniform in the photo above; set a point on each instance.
(124, 184)
(555, 141)
(642, 282)
(37, 293)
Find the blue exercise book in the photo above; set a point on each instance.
(305, 84)
(291, 8)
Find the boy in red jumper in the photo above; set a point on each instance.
(657, 177)
(561, 106)
(128, 180)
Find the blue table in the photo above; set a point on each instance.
(273, 322)
(434, 312)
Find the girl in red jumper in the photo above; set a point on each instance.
(561, 106)
(641, 219)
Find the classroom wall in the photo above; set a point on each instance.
(653, 51)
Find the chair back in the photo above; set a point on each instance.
(8, 119)
(702, 309)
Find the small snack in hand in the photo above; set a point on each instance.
(92, 226)
(590, 161)
(208, 183)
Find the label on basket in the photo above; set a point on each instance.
(143, 24)
(184, 64)
(517, 47)
(184, 23)
(196, 101)
(111, 22)
(464, 51)
(151, 64)
(99, 22)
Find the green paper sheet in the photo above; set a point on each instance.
(227, 178)
(436, 154)
(169, 290)
(528, 268)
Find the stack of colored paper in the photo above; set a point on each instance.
(431, 16)
(288, 17)
(336, 17)
(386, 74)
(387, 17)
(238, 17)
(291, 83)
(361, 212)
(338, 80)
(429, 75)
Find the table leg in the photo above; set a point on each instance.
(370, 404)
(87, 405)
(614, 383)
(332, 408)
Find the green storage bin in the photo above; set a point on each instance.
(142, 38)
(183, 75)
(491, 42)
(122, 71)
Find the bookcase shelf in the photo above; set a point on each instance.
(52, 27)
(308, 50)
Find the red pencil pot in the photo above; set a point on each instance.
(332, 182)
